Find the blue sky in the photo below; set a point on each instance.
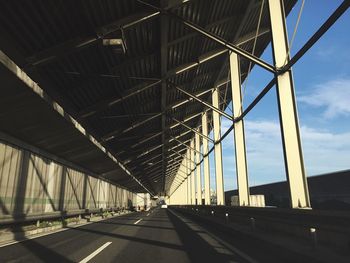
(322, 83)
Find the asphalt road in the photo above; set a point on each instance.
(161, 235)
(156, 236)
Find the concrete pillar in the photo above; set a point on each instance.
(206, 168)
(198, 169)
(238, 131)
(218, 150)
(293, 156)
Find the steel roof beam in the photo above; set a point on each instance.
(184, 101)
(188, 147)
(208, 27)
(174, 166)
(156, 168)
(193, 130)
(205, 103)
(146, 139)
(203, 58)
(176, 146)
(185, 120)
(184, 157)
(61, 112)
(183, 143)
(75, 44)
(153, 164)
(127, 116)
(152, 158)
(251, 6)
(177, 165)
(225, 43)
(217, 52)
(171, 156)
(116, 133)
(239, 40)
(317, 35)
(164, 27)
(173, 162)
(178, 173)
(103, 105)
(176, 178)
(147, 152)
(172, 169)
(217, 84)
(182, 134)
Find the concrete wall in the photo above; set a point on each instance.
(254, 200)
(31, 184)
(328, 191)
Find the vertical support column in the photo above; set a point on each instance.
(206, 169)
(292, 149)
(193, 187)
(122, 197)
(238, 131)
(198, 169)
(188, 164)
(50, 188)
(183, 194)
(220, 199)
(186, 192)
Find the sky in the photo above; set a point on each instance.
(322, 84)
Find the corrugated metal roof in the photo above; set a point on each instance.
(59, 44)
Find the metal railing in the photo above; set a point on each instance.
(26, 218)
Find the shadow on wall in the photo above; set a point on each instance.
(130, 204)
(15, 167)
(31, 184)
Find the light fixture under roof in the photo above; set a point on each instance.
(117, 44)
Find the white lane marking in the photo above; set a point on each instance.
(93, 254)
(138, 221)
(193, 225)
(147, 214)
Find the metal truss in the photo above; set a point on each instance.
(193, 130)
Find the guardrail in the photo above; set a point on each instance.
(331, 228)
(23, 218)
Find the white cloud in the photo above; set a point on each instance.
(324, 151)
(333, 95)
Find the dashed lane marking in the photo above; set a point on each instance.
(93, 254)
(138, 221)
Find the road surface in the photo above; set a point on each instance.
(160, 235)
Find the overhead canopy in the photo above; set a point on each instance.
(126, 95)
